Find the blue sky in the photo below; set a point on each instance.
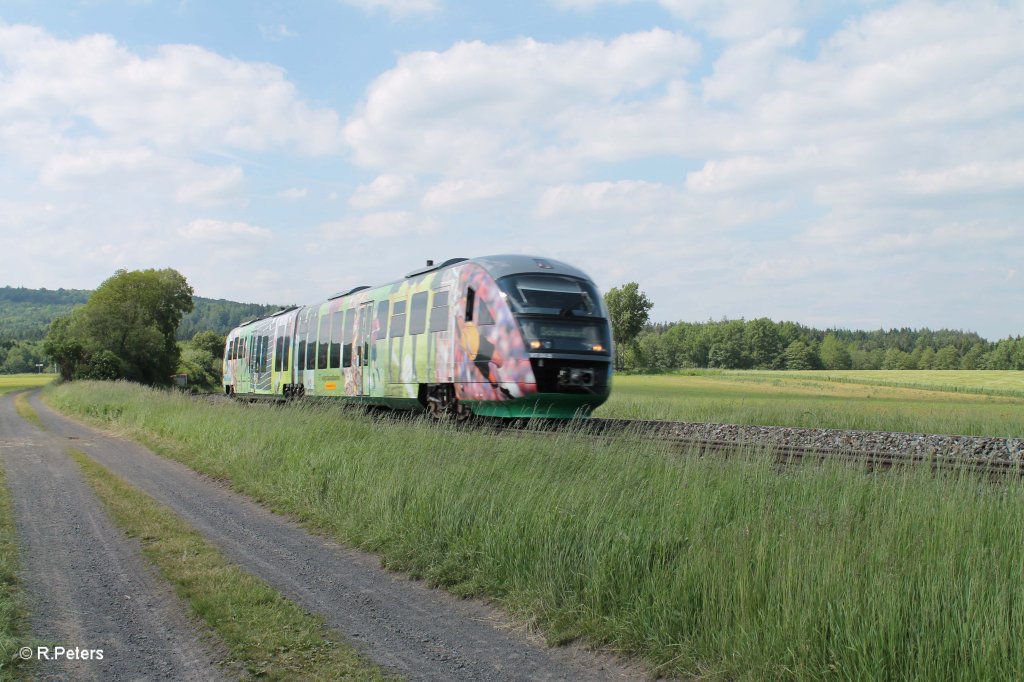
(855, 164)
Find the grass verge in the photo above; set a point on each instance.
(269, 636)
(27, 412)
(724, 569)
(12, 612)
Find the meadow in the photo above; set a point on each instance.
(981, 403)
(16, 382)
(704, 567)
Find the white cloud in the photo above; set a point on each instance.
(625, 196)
(380, 224)
(210, 186)
(397, 9)
(294, 193)
(181, 98)
(478, 106)
(209, 230)
(455, 193)
(383, 190)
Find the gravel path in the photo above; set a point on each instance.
(87, 584)
(423, 634)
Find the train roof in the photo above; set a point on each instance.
(511, 264)
(497, 266)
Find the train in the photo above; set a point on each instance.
(496, 336)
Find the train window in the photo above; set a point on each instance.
(418, 316)
(325, 339)
(439, 313)
(336, 340)
(470, 302)
(265, 355)
(551, 295)
(230, 350)
(483, 314)
(382, 320)
(398, 319)
(285, 365)
(300, 342)
(311, 341)
(346, 340)
(278, 352)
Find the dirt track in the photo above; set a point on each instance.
(87, 584)
(421, 633)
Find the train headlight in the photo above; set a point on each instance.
(535, 344)
(597, 347)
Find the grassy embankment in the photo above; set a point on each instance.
(848, 400)
(726, 569)
(267, 635)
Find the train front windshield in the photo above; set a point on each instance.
(557, 313)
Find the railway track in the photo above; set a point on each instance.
(874, 449)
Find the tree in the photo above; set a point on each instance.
(211, 342)
(629, 309)
(834, 354)
(799, 355)
(946, 358)
(125, 330)
(763, 343)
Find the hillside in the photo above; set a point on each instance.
(25, 314)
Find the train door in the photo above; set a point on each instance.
(242, 372)
(439, 347)
(363, 354)
(309, 375)
(378, 349)
(280, 346)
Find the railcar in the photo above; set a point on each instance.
(503, 336)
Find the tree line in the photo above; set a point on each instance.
(764, 344)
(26, 314)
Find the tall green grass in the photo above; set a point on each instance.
(724, 569)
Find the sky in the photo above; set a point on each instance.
(838, 164)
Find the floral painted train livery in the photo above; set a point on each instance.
(508, 336)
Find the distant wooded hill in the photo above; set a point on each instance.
(25, 314)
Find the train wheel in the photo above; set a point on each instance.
(441, 403)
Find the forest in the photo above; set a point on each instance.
(26, 314)
(764, 344)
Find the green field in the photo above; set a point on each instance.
(15, 382)
(955, 402)
(703, 567)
